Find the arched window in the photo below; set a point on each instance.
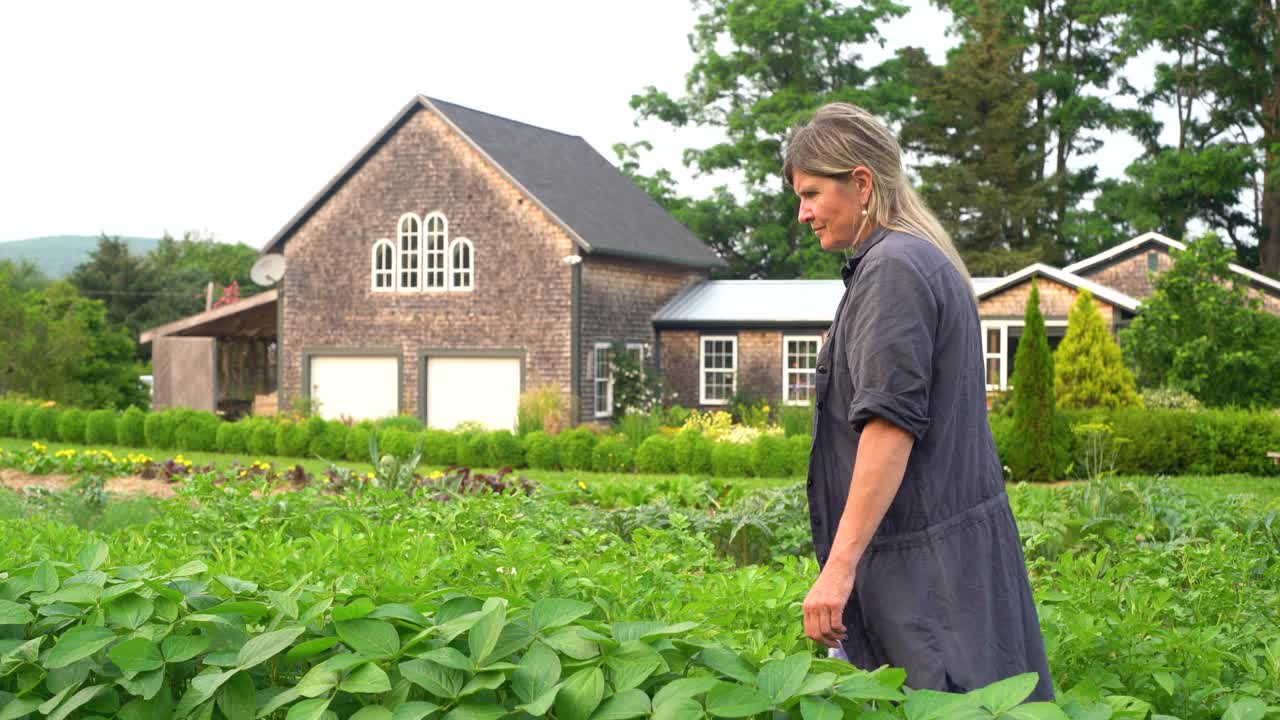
(384, 266)
(461, 255)
(437, 240)
(410, 250)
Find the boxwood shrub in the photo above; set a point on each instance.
(407, 423)
(233, 437)
(505, 450)
(798, 447)
(44, 424)
(612, 454)
(71, 424)
(540, 451)
(439, 447)
(262, 436)
(22, 420)
(575, 448)
(130, 428)
(473, 449)
(731, 460)
(195, 430)
(158, 429)
(692, 452)
(656, 455)
(291, 439)
(7, 411)
(331, 443)
(100, 427)
(356, 448)
(770, 457)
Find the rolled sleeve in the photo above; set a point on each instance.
(889, 345)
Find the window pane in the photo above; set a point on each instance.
(993, 340)
(993, 371)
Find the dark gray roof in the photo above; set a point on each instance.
(600, 207)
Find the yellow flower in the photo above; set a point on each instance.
(582, 485)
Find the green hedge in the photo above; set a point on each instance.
(233, 437)
(7, 411)
(656, 455)
(541, 451)
(158, 429)
(612, 454)
(100, 427)
(130, 428)
(505, 450)
(195, 431)
(71, 424)
(44, 424)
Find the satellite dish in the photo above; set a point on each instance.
(268, 270)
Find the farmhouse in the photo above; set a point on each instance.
(461, 258)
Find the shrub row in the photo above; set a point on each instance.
(1165, 442)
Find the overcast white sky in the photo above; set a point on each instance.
(138, 117)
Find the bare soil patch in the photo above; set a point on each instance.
(129, 485)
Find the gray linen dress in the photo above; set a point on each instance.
(942, 590)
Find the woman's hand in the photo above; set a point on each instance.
(824, 605)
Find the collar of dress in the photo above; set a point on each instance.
(846, 272)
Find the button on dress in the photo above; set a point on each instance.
(942, 589)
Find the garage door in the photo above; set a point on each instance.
(484, 390)
(362, 388)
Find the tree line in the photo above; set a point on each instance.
(1004, 131)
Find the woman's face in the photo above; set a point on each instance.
(833, 206)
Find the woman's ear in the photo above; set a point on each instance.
(864, 180)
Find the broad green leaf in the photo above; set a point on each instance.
(19, 707)
(551, 613)
(781, 679)
(317, 681)
(45, 578)
(816, 708)
(678, 709)
(457, 607)
(263, 647)
(77, 644)
(514, 638)
(933, 705)
(623, 706)
(93, 556)
(131, 611)
(727, 662)
(136, 655)
(413, 711)
(52, 703)
(449, 657)
(683, 689)
(145, 684)
(286, 603)
(368, 678)
(1165, 680)
(245, 608)
(195, 567)
(580, 694)
(476, 710)
(74, 702)
(114, 591)
(397, 611)
(237, 698)
(273, 702)
(375, 638)
(864, 687)
(358, 608)
(208, 683)
(483, 681)
(1008, 693)
(632, 664)
(483, 636)
(180, 648)
(569, 640)
(310, 648)
(1038, 711)
(1245, 709)
(308, 709)
(236, 585)
(372, 712)
(731, 700)
(455, 627)
(539, 671)
(11, 613)
(436, 679)
(78, 594)
(539, 706)
(815, 684)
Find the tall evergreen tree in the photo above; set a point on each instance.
(1088, 370)
(1032, 455)
(763, 67)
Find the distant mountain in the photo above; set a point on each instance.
(58, 255)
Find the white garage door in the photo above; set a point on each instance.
(363, 388)
(485, 390)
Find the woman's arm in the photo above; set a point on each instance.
(878, 468)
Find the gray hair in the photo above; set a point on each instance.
(841, 137)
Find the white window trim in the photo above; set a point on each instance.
(373, 266)
(1006, 362)
(401, 252)
(702, 368)
(426, 223)
(817, 339)
(470, 271)
(595, 382)
(642, 347)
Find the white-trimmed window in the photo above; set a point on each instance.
(799, 368)
(461, 255)
(410, 237)
(435, 267)
(1000, 340)
(384, 266)
(603, 383)
(717, 369)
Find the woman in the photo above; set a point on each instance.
(921, 563)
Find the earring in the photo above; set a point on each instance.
(864, 212)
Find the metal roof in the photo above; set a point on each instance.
(1102, 292)
(600, 208)
(743, 303)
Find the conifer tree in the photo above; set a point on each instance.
(1032, 456)
(1088, 371)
